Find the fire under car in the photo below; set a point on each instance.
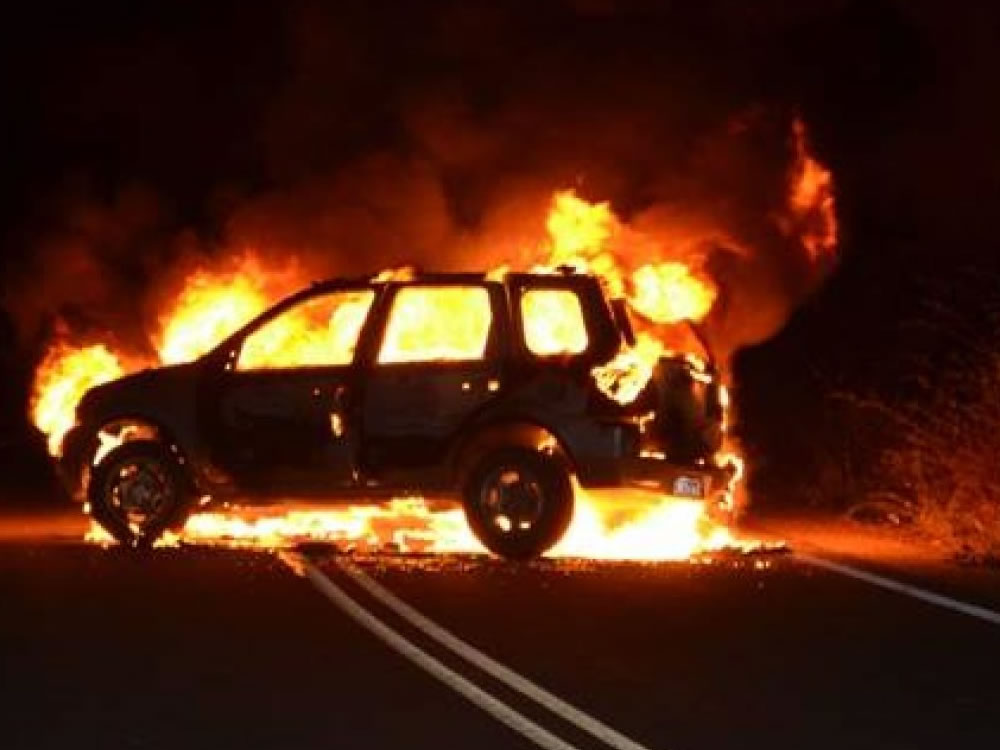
(457, 386)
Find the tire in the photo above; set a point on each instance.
(530, 490)
(140, 473)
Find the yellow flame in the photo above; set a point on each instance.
(437, 323)
(671, 292)
(579, 235)
(624, 377)
(553, 322)
(636, 525)
(209, 308)
(321, 331)
(63, 376)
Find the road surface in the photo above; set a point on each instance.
(207, 647)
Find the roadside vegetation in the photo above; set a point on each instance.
(906, 434)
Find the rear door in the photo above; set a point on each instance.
(282, 410)
(438, 363)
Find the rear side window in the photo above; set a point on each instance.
(320, 332)
(437, 324)
(553, 322)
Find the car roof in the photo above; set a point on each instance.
(448, 277)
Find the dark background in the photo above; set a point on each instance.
(139, 133)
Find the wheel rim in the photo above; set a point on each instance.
(512, 500)
(140, 492)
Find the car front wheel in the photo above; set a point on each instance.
(518, 502)
(138, 491)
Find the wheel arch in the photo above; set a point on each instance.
(90, 447)
(480, 440)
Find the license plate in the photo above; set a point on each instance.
(688, 487)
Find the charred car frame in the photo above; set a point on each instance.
(504, 426)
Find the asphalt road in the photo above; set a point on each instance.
(200, 647)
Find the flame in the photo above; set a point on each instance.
(811, 198)
(322, 331)
(63, 376)
(624, 377)
(405, 524)
(585, 236)
(626, 524)
(553, 322)
(580, 235)
(210, 307)
(437, 323)
(607, 525)
(671, 292)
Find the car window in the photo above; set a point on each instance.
(322, 331)
(437, 324)
(553, 322)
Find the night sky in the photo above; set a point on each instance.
(140, 133)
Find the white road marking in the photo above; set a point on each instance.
(492, 667)
(471, 692)
(940, 600)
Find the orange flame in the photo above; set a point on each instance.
(588, 237)
(811, 198)
(607, 525)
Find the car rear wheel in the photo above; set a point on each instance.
(138, 491)
(518, 502)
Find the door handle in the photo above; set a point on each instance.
(340, 397)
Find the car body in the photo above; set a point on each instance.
(374, 415)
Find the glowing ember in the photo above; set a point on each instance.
(64, 375)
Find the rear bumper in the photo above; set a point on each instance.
(699, 481)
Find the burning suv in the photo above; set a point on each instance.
(496, 391)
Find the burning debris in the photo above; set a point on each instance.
(608, 525)
(661, 295)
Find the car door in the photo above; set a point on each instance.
(283, 407)
(438, 363)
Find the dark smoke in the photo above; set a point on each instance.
(354, 138)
